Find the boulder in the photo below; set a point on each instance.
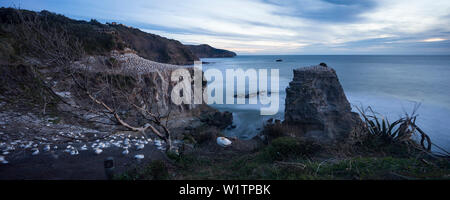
(218, 119)
(317, 105)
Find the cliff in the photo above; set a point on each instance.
(206, 51)
(317, 105)
(96, 38)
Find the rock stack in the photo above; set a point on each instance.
(317, 105)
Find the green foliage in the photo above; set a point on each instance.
(283, 148)
(156, 170)
(399, 131)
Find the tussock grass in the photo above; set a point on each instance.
(401, 130)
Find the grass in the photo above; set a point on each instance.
(288, 159)
(251, 167)
(399, 131)
(156, 170)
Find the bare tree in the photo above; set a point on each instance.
(107, 95)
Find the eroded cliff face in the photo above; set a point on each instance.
(139, 81)
(317, 105)
(143, 76)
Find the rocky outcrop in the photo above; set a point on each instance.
(206, 51)
(218, 119)
(317, 105)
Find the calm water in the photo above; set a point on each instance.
(391, 85)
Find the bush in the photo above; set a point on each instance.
(283, 148)
(380, 129)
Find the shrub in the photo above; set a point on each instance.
(283, 148)
(400, 131)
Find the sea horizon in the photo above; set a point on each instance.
(387, 98)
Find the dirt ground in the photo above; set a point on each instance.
(61, 166)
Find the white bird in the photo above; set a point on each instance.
(73, 152)
(98, 151)
(139, 156)
(35, 152)
(101, 145)
(46, 148)
(125, 152)
(83, 148)
(140, 146)
(224, 142)
(3, 160)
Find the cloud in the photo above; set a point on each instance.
(434, 40)
(278, 27)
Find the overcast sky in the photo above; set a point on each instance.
(277, 27)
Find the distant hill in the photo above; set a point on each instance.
(96, 38)
(206, 51)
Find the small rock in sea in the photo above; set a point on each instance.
(55, 147)
(222, 141)
(125, 152)
(140, 146)
(5, 153)
(98, 151)
(139, 156)
(2, 158)
(35, 152)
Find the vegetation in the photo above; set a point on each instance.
(94, 37)
(382, 152)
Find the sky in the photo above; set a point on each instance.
(268, 27)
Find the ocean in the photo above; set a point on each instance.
(391, 85)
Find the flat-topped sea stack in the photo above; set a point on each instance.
(317, 105)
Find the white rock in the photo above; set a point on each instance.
(222, 141)
(2, 158)
(98, 151)
(139, 156)
(83, 148)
